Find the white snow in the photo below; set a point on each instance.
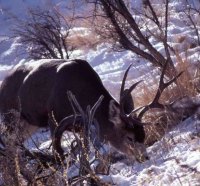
(175, 160)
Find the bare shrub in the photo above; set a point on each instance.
(44, 34)
(19, 166)
(89, 136)
(129, 29)
(191, 15)
(24, 167)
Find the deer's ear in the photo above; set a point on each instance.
(114, 113)
(128, 103)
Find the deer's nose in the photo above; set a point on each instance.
(146, 157)
(142, 159)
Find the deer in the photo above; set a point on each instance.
(9, 88)
(44, 91)
(9, 102)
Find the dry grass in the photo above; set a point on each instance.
(84, 41)
(86, 19)
(17, 169)
(159, 122)
(190, 79)
(180, 39)
(20, 167)
(97, 32)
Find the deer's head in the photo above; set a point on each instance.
(129, 129)
(128, 134)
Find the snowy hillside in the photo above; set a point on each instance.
(175, 159)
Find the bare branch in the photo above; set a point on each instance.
(45, 33)
(127, 33)
(75, 122)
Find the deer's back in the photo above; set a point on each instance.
(9, 90)
(35, 91)
(79, 78)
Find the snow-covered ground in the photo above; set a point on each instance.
(175, 159)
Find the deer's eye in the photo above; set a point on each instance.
(130, 139)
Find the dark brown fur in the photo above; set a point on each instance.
(9, 99)
(44, 90)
